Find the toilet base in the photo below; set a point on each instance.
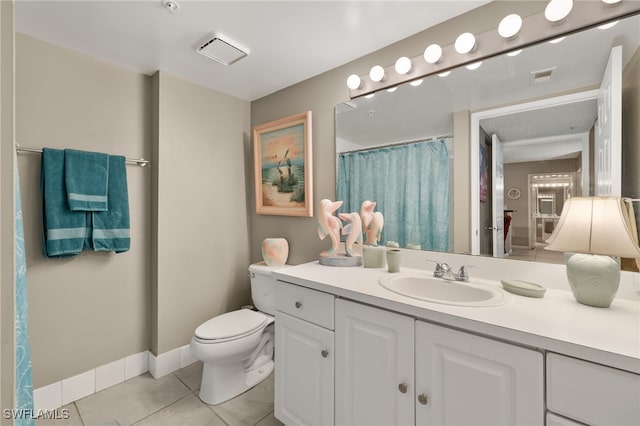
(220, 383)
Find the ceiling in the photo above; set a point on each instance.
(287, 41)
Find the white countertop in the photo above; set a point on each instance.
(556, 322)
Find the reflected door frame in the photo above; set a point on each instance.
(476, 118)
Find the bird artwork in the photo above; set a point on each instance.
(372, 222)
(329, 224)
(353, 230)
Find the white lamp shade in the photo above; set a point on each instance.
(510, 26)
(403, 65)
(376, 73)
(594, 225)
(465, 43)
(433, 53)
(557, 10)
(354, 82)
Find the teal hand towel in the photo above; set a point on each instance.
(64, 231)
(86, 178)
(111, 227)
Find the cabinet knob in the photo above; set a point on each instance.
(402, 387)
(324, 353)
(298, 305)
(423, 399)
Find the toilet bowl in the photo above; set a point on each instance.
(236, 348)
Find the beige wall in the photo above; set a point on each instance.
(94, 308)
(202, 149)
(189, 251)
(6, 207)
(320, 95)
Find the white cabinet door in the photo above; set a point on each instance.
(304, 380)
(374, 366)
(463, 379)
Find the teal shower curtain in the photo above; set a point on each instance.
(23, 392)
(409, 183)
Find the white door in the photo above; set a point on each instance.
(497, 176)
(304, 380)
(608, 129)
(374, 366)
(463, 379)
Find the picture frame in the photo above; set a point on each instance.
(283, 166)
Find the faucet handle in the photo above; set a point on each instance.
(463, 274)
(441, 268)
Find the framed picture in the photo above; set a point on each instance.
(283, 165)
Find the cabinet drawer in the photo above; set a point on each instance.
(592, 393)
(304, 303)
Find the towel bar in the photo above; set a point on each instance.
(139, 161)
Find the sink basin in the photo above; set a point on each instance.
(436, 290)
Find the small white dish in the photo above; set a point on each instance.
(523, 288)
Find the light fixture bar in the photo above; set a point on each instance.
(585, 14)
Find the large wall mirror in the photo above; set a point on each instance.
(534, 117)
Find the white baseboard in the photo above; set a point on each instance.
(82, 385)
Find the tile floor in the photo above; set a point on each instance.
(169, 401)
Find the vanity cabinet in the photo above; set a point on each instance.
(591, 393)
(394, 370)
(304, 356)
(463, 379)
(374, 366)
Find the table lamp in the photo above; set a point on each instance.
(592, 229)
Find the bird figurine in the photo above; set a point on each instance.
(353, 229)
(372, 222)
(329, 224)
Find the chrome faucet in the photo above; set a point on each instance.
(444, 271)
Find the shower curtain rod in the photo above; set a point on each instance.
(139, 161)
(433, 138)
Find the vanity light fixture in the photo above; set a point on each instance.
(515, 52)
(403, 65)
(433, 53)
(370, 95)
(377, 73)
(556, 40)
(416, 83)
(354, 82)
(474, 66)
(557, 10)
(611, 2)
(510, 26)
(444, 74)
(392, 89)
(465, 43)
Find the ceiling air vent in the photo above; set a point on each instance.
(220, 50)
(542, 75)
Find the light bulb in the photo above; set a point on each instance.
(369, 96)
(377, 73)
(556, 40)
(354, 82)
(465, 43)
(557, 10)
(444, 74)
(474, 66)
(403, 65)
(433, 53)
(611, 2)
(416, 83)
(514, 52)
(608, 25)
(392, 89)
(510, 26)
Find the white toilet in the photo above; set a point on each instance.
(237, 347)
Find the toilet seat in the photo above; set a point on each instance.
(231, 326)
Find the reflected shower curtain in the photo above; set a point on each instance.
(409, 183)
(23, 384)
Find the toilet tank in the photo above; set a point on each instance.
(263, 287)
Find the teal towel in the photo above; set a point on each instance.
(111, 227)
(64, 231)
(86, 179)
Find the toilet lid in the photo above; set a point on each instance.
(231, 324)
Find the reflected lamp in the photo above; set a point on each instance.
(590, 230)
